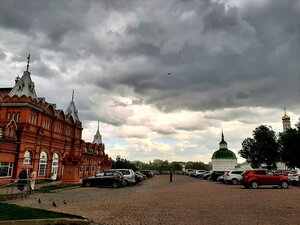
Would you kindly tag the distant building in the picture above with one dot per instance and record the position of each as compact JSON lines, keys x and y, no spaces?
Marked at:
{"x":223,"y":159}
{"x":34,"y":133}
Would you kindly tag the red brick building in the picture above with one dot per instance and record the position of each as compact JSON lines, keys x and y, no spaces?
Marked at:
{"x":35,"y":133}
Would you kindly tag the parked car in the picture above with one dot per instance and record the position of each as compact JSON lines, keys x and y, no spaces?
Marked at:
{"x":189,"y":171}
{"x":100,"y":174}
{"x":129,"y":176}
{"x":143,"y":176}
{"x":147,"y":173}
{"x":257,"y":177}
{"x":206,"y":175}
{"x":198,"y":173}
{"x":215,"y":174}
{"x":221,"y":179}
{"x":109,"y":178}
{"x":233,"y":177}
{"x":294,"y":177}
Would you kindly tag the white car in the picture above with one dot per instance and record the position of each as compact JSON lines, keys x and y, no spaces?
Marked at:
{"x":233,"y":177}
{"x":129,"y":176}
{"x":294,"y":177}
{"x":198,"y":173}
{"x":189,"y":171}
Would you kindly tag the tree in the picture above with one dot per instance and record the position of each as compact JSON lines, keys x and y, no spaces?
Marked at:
{"x":262,"y":148}
{"x":289,"y":142}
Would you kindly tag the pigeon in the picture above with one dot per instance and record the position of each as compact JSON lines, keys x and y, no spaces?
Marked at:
{"x":65,"y":202}
{"x":39,"y":201}
{"x":54,"y":204}
{"x":169,"y":73}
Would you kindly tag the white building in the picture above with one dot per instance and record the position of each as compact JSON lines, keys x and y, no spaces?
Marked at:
{"x":223,"y":159}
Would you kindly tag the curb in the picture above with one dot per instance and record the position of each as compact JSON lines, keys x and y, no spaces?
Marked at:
{"x":65,"y":221}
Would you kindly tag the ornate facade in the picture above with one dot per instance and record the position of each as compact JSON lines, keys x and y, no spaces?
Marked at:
{"x":34,"y":133}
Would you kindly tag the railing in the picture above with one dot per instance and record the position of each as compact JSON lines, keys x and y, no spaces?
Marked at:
{"x":11,"y":190}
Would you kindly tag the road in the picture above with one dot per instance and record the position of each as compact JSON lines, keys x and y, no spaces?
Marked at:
{"x":185,"y":201}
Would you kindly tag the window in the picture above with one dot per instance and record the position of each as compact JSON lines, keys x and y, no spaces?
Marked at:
{"x":6,"y":169}
{"x":55,"y":161}
{"x":81,"y":169}
{"x":260,"y":172}
{"x":94,"y":168}
{"x":42,"y":164}
{"x":32,"y":119}
{"x":27,"y":158}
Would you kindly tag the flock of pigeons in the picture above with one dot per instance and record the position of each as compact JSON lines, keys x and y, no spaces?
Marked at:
{"x":53,"y":203}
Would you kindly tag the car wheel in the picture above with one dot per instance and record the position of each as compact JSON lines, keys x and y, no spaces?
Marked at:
{"x":87,"y":184}
{"x":284,"y":184}
{"x":234,"y":181}
{"x":115,"y":184}
{"x":254,"y":185}
{"x":126,"y":183}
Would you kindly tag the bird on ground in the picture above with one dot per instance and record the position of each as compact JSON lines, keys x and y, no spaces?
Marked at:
{"x":54,"y":204}
{"x":169,"y":73}
{"x":65,"y":202}
{"x":39,"y":201}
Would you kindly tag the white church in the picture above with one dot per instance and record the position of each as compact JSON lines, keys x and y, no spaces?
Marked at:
{"x":224,"y":159}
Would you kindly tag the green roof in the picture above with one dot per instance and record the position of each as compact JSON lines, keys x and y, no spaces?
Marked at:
{"x":224,"y":154}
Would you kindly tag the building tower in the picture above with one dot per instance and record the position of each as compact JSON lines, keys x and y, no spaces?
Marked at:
{"x":223,"y":159}
{"x":97,"y":137}
{"x":286,"y":121}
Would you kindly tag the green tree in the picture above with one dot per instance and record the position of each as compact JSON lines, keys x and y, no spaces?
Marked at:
{"x":289,"y":142}
{"x":263,"y":148}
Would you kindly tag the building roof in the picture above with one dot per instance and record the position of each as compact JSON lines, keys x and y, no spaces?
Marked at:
{"x":4,"y":92}
{"x":224,"y":154}
{"x":286,"y":117}
{"x":97,"y":137}
{"x":24,"y":86}
{"x":71,"y":110}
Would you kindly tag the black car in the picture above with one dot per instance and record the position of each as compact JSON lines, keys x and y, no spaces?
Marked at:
{"x":109,"y":178}
{"x":215,"y":174}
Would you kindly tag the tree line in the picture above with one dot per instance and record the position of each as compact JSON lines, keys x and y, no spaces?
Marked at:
{"x":267,"y":148}
{"x":159,"y":165}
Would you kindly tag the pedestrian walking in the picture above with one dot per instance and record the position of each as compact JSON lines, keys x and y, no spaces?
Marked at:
{"x":171,"y":175}
{"x":22,"y":181}
{"x":32,"y":177}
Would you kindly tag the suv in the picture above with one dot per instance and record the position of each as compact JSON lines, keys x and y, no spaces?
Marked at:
{"x":258,"y":177}
{"x":294,"y":177}
{"x":129,"y":176}
{"x":233,"y":177}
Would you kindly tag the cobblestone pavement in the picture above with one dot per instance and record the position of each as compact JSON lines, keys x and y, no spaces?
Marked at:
{"x":186,"y":201}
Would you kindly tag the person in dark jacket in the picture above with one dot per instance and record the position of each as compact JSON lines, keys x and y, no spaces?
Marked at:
{"x":171,"y":175}
{"x":22,"y":180}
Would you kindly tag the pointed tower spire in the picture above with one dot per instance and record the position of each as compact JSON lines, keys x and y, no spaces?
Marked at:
{"x":97,"y":137}
{"x":28,"y":61}
{"x":24,"y":85}
{"x":223,"y":143}
{"x":73,"y":96}
{"x":71,"y":110}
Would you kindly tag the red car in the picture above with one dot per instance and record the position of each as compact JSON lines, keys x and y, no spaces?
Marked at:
{"x":257,"y":177}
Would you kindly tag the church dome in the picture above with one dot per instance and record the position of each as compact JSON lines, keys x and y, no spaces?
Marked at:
{"x":224,"y":154}
{"x":286,"y":117}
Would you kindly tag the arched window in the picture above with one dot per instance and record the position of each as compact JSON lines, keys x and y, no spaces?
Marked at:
{"x":54,"y":168}
{"x":42,"y":164}
{"x":27,"y":158}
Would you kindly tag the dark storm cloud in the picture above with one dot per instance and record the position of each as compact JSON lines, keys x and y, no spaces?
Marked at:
{"x":218,"y":56}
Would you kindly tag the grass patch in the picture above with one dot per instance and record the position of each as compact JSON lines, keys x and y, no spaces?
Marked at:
{"x":15,"y":212}
{"x":50,"y":188}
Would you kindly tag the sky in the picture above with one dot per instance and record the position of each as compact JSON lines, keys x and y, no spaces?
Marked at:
{"x":163,"y":78}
